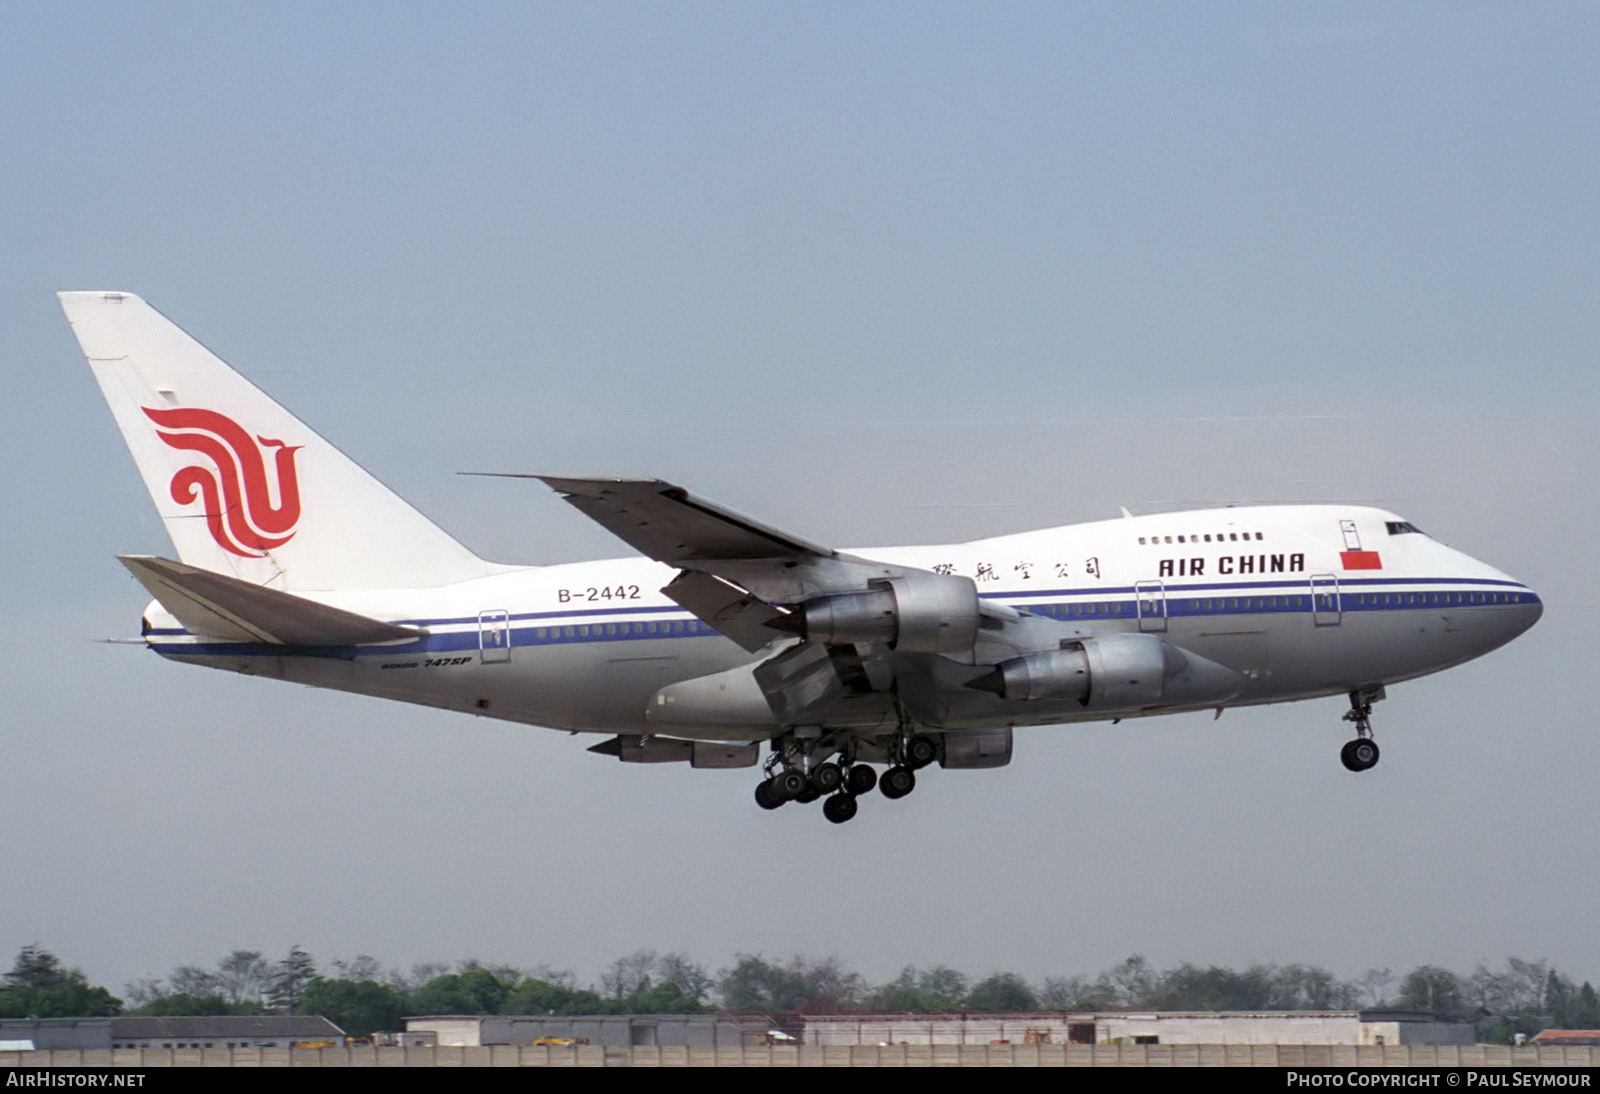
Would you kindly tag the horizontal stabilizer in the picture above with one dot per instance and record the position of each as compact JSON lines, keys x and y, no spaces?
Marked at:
{"x":219,"y":606}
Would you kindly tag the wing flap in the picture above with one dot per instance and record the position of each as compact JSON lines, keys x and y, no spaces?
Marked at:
{"x":218,"y":606}
{"x":734,"y":612}
{"x":800,"y":681}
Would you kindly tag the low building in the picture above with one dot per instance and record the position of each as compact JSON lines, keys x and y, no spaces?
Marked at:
{"x":1343,"y":1027}
{"x":225,"y":1031}
{"x":1336,"y":1027}
{"x":46,"y":1033}
{"x":724,"y":1028}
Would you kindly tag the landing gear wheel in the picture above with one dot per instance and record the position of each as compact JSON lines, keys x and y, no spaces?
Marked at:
{"x":766,"y":796}
{"x":897,"y":782}
{"x":1359,"y":754}
{"x":808,"y":795}
{"x":861,"y":779}
{"x":840,"y":807}
{"x":790,"y":784}
{"x":827,"y":778}
{"x":920,"y":752}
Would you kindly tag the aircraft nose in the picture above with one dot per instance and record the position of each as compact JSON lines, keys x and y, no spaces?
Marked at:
{"x":1527,"y":611}
{"x":1519,"y":610}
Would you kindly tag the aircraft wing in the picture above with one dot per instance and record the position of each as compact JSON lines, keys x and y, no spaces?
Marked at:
{"x":752,"y":583}
{"x":734,"y":568}
{"x":666,"y":523}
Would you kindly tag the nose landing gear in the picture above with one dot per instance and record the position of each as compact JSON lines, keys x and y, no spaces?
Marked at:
{"x":1361,"y":753}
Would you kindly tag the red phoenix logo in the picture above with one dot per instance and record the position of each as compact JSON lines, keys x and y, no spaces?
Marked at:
{"x":237,"y":496}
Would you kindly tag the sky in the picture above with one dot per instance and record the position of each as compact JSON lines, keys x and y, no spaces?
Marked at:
{"x":874,"y":273}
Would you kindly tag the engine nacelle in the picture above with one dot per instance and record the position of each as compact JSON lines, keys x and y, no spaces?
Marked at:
{"x":1129,"y":671}
{"x":1052,"y":674}
{"x":1114,"y":672}
{"x":920,"y":613}
{"x":970,"y":749}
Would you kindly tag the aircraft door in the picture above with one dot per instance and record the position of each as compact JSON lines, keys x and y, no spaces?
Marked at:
{"x":1150,"y":600}
{"x":1326,"y":609}
{"x":494,"y":636}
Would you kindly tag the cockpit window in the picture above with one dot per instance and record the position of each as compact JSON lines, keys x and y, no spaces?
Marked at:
{"x":1401,"y":527}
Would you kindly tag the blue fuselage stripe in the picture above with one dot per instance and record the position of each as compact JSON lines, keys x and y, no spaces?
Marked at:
{"x":1112,"y":604}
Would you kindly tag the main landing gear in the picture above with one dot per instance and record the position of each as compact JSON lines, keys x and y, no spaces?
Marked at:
{"x":840,"y":784}
{"x":1361,"y":753}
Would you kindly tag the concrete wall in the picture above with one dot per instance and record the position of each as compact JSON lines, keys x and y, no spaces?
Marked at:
{"x":1280,"y":1056}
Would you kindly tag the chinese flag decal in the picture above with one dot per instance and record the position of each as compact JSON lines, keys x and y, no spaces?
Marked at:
{"x":1360,"y":560}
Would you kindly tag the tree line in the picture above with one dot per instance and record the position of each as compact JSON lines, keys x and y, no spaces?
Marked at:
{"x":362,"y":997}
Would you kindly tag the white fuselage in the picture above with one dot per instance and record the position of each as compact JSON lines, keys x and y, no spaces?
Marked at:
{"x":1302,"y":601}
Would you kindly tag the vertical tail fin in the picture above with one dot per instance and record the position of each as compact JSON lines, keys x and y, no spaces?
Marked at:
{"x":244,"y":487}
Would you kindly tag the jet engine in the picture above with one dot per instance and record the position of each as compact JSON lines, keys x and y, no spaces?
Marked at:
{"x":1113,"y":672}
{"x":919,"y":613}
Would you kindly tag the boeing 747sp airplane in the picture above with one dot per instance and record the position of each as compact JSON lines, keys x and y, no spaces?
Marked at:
{"x":295,"y":564}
